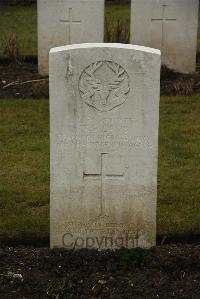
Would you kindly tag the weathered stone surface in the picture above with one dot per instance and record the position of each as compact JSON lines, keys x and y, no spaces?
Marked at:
{"x":168,"y":25}
{"x":104,"y":111}
{"x":62,"y":22}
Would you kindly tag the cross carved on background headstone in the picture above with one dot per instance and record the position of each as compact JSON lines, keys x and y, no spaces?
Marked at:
{"x":163,"y":20}
{"x":69,"y":22}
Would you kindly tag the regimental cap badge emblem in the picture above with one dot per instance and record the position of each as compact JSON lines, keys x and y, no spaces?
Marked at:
{"x":104,"y":85}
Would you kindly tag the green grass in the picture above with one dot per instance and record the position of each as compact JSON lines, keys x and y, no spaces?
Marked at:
{"x":179,"y":165}
{"x":24,"y":172}
{"x":115,"y":12}
{"x":21,"y":21}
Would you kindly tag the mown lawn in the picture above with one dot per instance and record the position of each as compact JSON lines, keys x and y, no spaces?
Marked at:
{"x":22,"y":21}
{"x":179,"y":165}
{"x":24,"y":172}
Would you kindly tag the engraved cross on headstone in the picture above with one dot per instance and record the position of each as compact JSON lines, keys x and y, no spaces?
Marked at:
{"x":103,"y":175}
{"x":163,"y":21}
{"x":69,"y":22}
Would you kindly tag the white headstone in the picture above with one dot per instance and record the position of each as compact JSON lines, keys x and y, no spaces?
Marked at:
{"x":104,"y":111}
{"x":63,"y":22}
{"x":168,"y":25}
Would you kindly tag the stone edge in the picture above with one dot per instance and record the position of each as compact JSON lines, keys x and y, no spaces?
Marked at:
{"x":105,"y":45}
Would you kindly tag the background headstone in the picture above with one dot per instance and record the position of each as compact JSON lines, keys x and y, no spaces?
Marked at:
{"x":62,"y":22}
{"x":104,"y":106}
{"x":168,"y":25}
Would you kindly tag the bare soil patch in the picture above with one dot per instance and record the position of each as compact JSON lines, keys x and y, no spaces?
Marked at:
{"x":22,"y":82}
{"x":173,"y":271}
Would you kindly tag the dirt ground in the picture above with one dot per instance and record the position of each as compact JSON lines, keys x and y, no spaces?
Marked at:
{"x":23,"y":82}
{"x":172,"y":271}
